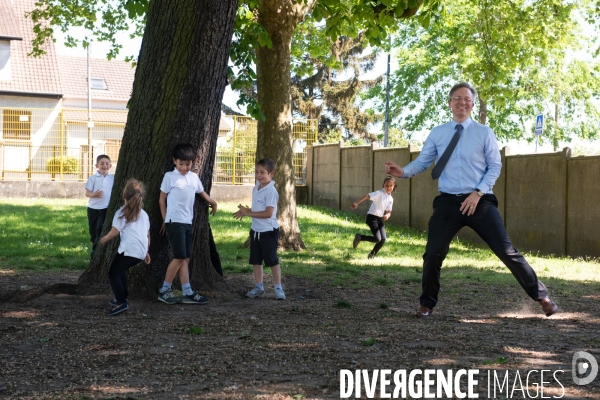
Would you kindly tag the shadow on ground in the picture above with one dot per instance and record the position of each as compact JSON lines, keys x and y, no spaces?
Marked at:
{"x":59,"y":343}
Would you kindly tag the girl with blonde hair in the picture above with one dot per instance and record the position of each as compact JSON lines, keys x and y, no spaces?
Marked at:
{"x":133,"y":225}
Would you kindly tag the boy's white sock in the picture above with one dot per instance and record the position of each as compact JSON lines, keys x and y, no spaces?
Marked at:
{"x":260,"y":286}
{"x":278,"y":287}
{"x":166,"y":286}
{"x":186,"y":288}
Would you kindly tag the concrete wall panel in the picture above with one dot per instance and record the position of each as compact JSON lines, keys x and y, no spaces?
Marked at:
{"x":401,"y":156}
{"x":536,"y":200}
{"x":356,"y":177}
{"x":583,"y":212}
{"x":423,"y":190}
{"x":326,"y":175}
{"x":309,"y":174}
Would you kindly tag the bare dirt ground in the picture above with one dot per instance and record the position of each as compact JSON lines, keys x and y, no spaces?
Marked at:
{"x":58,"y":343}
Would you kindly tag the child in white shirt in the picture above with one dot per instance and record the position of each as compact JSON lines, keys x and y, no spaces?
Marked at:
{"x":177,"y":194}
{"x":380,"y":211}
{"x":98,"y":188}
{"x":264,"y":234}
{"x":133,"y":224}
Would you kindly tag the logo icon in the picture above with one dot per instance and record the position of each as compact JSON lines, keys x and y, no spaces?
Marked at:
{"x":583,"y":364}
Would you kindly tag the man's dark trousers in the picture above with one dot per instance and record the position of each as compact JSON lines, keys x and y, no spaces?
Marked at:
{"x":445,"y":223}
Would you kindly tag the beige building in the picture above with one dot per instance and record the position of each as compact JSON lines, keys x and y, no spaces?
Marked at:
{"x":44,"y":104}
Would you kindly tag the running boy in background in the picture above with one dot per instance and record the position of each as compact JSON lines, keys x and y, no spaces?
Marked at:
{"x":380,"y":211}
{"x":264,"y":233}
{"x":98,"y":188}
{"x":177,"y":194}
{"x":133,"y":224}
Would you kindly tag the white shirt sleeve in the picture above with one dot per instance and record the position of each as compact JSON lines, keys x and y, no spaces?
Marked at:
{"x":271,"y":198}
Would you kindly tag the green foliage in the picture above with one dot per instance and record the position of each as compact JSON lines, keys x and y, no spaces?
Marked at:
{"x":330,"y":136}
{"x":102,"y":19}
{"x":70,"y":165}
{"x":354,"y":141}
{"x":398,"y":138}
{"x":514,"y":53}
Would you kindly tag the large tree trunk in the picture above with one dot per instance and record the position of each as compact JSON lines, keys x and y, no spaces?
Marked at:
{"x":275,"y":136}
{"x":177,"y":93}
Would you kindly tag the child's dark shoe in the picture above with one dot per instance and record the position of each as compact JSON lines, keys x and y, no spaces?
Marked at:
{"x":119,"y":309}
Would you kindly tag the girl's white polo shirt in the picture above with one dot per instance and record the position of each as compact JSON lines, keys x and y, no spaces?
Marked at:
{"x":181,"y":190}
{"x":134,"y":235}
{"x":381,"y":202}
{"x":100,"y":182}
{"x":261,"y":199}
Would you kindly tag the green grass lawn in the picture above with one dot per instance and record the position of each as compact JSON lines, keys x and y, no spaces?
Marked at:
{"x":40,"y":234}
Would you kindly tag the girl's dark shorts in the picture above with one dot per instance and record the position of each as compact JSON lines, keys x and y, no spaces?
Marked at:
{"x":263,"y":247}
{"x":180,"y":236}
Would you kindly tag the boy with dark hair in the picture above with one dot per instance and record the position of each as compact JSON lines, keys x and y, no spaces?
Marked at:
{"x":177,"y":194}
{"x":264,"y":233}
{"x":98,"y":188}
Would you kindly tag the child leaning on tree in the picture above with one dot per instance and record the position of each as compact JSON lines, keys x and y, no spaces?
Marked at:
{"x":177,"y":194}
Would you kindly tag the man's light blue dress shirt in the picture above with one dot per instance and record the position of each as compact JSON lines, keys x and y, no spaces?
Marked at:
{"x":474,"y":164}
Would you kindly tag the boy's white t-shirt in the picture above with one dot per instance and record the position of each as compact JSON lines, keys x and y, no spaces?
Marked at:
{"x":381,"y":202}
{"x":100,"y":182}
{"x":261,"y":199}
{"x":134,"y":235}
{"x":181,"y":190}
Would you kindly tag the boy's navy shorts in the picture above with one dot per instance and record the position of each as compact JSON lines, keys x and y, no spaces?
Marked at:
{"x":180,"y":236}
{"x":263,"y":247}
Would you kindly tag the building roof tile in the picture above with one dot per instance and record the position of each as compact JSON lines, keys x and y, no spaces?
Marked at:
{"x":28,"y":74}
{"x":9,"y":28}
{"x":117,"y":74}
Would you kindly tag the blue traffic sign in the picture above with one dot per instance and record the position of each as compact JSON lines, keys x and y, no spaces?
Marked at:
{"x":539,"y":124}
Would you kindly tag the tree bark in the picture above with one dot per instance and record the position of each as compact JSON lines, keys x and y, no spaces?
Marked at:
{"x":177,"y":92}
{"x":482,"y":112}
{"x":275,"y":137}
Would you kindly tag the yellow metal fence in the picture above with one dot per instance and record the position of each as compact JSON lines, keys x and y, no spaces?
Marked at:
{"x":236,"y":150}
{"x":61,"y":145}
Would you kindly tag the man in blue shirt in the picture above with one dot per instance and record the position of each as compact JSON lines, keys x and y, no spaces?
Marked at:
{"x":466,"y":174}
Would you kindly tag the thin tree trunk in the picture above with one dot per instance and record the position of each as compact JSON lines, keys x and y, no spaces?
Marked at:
{"x":179,"y":84}
{"x":275,"y":136}
{"x":482,"y":112}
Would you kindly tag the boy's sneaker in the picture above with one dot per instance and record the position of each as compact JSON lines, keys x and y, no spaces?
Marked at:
{"x":256,"y":292}
{"x":279,"y":294}
{"x":194,"y":298}
{"x":119,"y":309}
{"x":168,"y":297}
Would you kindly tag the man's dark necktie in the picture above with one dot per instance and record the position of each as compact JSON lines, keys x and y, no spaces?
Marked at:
{"x":439,"y":166}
